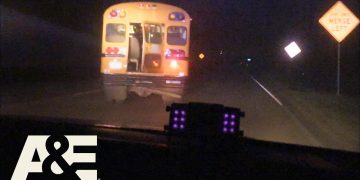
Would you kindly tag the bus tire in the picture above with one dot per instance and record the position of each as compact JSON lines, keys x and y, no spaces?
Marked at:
{"x":115,"y":94}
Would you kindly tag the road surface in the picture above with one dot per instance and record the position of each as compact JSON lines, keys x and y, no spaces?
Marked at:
{"x":267,"y":118}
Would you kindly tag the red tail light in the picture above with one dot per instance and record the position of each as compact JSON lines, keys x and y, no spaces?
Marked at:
{"x":110,"y":50}
{"x":115,"y":50}
{"x":175,"y":54}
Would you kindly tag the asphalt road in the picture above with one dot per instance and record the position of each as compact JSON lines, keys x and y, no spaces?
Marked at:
{"x":266,"y":117}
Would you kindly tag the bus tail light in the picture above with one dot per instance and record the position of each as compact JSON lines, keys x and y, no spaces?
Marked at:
{"x":114,"y":64}
{"x":112,"y":50}
{"x":174,"y":64}
{"x":175,"y":54}
{"x":115,"y":50}
{"x":108,"y":50}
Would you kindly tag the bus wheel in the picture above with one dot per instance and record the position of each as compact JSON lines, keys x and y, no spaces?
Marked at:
{"x":116,"y":94}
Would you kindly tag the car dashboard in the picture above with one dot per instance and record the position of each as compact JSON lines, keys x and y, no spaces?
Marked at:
{"x":136,"y":153}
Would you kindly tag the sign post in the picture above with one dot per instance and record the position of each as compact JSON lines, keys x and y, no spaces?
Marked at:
{"x":339,"y":21}
{"x":338,"y":71}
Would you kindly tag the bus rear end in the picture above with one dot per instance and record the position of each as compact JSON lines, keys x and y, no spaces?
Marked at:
{"x":145,"y":49}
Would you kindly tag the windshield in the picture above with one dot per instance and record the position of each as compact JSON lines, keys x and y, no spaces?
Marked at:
{"x":286,"y":64}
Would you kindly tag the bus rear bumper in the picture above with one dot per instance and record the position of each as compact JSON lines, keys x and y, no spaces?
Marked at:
{"x":131,"y":80}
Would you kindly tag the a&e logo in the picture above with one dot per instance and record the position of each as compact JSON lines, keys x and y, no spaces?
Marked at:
{"x":58,"y":157}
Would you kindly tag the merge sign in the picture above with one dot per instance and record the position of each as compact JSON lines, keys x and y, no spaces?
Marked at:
{"x":339,"y":21}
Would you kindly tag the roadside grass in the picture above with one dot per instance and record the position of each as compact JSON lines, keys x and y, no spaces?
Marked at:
{"x":333,"y":120}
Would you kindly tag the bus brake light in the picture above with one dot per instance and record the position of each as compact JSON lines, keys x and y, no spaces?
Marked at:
{"x":111,"y":50}
{"x":115,"y":50}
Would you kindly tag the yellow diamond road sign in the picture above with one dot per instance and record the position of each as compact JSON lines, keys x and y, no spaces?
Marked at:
{"x":201,"y":56}
{"x":339,"y":21}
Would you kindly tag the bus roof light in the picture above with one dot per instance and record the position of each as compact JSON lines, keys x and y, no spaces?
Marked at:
{"x":122,"y":13}
{"x":113,"y":13}
{"x":176,"y":16}
{"x":117,"y":13}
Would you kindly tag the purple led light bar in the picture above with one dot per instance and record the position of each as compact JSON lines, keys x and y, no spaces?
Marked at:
{"x":229,"y":123}
{"x":225,"y":129}
{"x":232,"y":130}
{"x":179,"y":119}
{"x":182,"y":112}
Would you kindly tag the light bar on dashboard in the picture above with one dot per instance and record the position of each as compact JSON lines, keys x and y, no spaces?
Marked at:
{"x":231,"y":120}
{"x":178,"y":116}
{"x":199,"y":119}
{"x":176,"y":16}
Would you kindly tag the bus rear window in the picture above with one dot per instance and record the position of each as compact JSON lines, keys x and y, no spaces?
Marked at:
{"x":176,"y":35}
{"x":115,"y":32}
{"x":153,"y":33}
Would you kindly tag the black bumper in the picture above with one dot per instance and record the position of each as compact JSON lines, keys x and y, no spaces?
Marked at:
{"x":144,"y":81}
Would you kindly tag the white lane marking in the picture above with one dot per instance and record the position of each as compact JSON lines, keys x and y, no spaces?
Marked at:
{"x":267,"y":91}
{"x":133,"y":126}
{"x":87,"y":92}
{"x":314,"y":141}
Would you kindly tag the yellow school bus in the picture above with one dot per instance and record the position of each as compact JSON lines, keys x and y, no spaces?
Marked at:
{"x":145,"y":49}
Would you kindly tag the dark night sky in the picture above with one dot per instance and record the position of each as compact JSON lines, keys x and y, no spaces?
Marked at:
{"x":242,"y":27}
{"x":245,"y":23}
